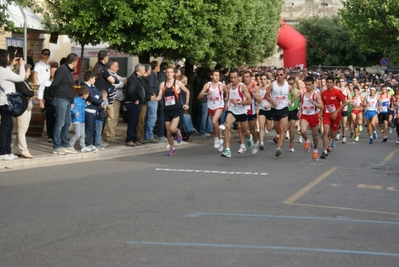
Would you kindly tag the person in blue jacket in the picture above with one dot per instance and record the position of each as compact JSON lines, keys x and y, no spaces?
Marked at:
{"x":78,"y":119}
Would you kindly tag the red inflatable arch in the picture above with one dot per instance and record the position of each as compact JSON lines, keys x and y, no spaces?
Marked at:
{"x":293,"y":44}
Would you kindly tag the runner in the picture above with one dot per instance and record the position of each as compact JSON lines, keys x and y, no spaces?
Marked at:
{"x":293,"y":111}
{"x":173,"y":109}
{"x":265,"y":116}
{"x":309,"y":109}
{"x":238,"y":97}
{"x":334,"y":102}
{"x":277,"y":95}
{"x":214,"y":90}
{"x":395,"y":108}
{"x":253,"y":90}
{"x":357,"y":111}
{"x":370,"y":103}
{"x":383,"y":114}
{"x":344,"y":120}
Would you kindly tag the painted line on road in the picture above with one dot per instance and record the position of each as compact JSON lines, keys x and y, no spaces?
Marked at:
{"x":271,"y":216}
{"x":388,"y":157}
{"x":345,"y":208}
{"x":312,"y":184}
{"x":210,"y":171}
{"x":235,"y":246}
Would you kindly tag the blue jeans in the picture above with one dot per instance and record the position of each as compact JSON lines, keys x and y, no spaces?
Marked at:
{"x":97,"y":132}
{"x":205,"y":123}
{"x":90,"y":125}
{"x":133,"y":112}
{"x":62,"y":109}
{"x":151,"y":119}
{"x":79,"y":128}
{"x":188,"y":123}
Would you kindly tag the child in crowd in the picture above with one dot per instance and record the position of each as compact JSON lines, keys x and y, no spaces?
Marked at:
{"x":78,"y":119}
{"x":96,"y":99}
{"x":101,"y":116}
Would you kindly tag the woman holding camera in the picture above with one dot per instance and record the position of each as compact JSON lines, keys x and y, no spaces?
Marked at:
{"x":7,"y":80}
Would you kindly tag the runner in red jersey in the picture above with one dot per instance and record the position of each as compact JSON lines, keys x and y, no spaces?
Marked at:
{"x":334,"y":102}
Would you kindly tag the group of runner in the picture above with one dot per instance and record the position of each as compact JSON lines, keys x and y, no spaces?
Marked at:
{"x":284,"y":103}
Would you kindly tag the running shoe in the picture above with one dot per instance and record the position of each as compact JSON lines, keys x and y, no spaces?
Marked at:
{"x":360,"y":128}
{"x":291,"y":149}
{"x":390,"y":130}
{"x":250,"y":142}
{"x":222,"y":127}
{"x":242,"y":149}
{"x":262,"y":146}
{"x":337,"y":137}
{"x":278,"y":152}
{"x":255,"y":149}
{"x":287,"y":135}
{"x":178,"y":136}
{"x":275,"y":139}
{"x":216,"y":143}
{"x":300,"y":140}
{"x":324,"y":155}
{"x":375,"y":136}
{"x":329,"y":149}
{"x":356,"y":139}
{"x":86,"y":149}
{"x":333,"y":143}
{"x":306,"y":146}
{"x":344,"y":140}
{"x":385,"y":139}
{"x":397,"y":142}
{"x":382,"y":130}
{"x":315,"y":156}
{"x":371,"y":141}
{"x":220,"y":148}
{"x":171,"y":152}
{"x":226,"y":153}
{"x":352,"y":135}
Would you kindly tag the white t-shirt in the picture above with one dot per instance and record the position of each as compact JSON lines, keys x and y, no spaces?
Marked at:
{"x":43,"y":74}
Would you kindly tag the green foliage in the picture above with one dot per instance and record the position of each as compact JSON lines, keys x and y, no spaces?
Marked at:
{"x":374,"y":24}
{"x":337,"y":49}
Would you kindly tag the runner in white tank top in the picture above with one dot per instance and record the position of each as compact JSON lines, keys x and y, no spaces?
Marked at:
{"x":238,"y":97}
{"x":309,"y":106}
{"x":253,"y":89}
{"x":277,"y":95}
{"x":370,"y":103}
{"x":265,"y":116}
{"x":214,"y":91}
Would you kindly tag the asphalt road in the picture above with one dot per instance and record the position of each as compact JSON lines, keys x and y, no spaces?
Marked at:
{"x":199,"y":209}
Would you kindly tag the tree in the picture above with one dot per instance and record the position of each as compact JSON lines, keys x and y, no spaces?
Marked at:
{"x":202,"y":31}
{"x":374,"y":25}
{"x":329,"y":44}
{"x":4,"y":22}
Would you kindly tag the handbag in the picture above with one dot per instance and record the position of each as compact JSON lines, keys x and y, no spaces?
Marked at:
{"x":15,"y":104}
{"x":24,"y":88}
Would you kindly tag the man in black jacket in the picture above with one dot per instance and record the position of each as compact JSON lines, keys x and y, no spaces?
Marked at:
{"x":62,"y":101}
{"x":133,"y":101}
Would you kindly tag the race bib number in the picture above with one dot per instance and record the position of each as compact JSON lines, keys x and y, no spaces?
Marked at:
{"x":330,"y":108}
{"x":371,"y":105}
{"x":384,"y":108}
{"x":169,"y":100}
{"x":308,"y":110}
{"x":281,"y":100}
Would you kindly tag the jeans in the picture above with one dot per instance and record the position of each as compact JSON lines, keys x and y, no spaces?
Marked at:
{"x":160,"y":120}
{"x":152,"y":107}
{"x":6,"y":126}
{"x":62,"y":109}
{"x":188,"y":123}
{"x":79,"y":129}
{"x":205,"y":123}
{"x":133,"y":112}
{"x":97,"y":132}
{"x":90,"y":125}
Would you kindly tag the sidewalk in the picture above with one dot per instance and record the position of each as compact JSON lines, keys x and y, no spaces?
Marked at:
{"x":42,"y":151}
